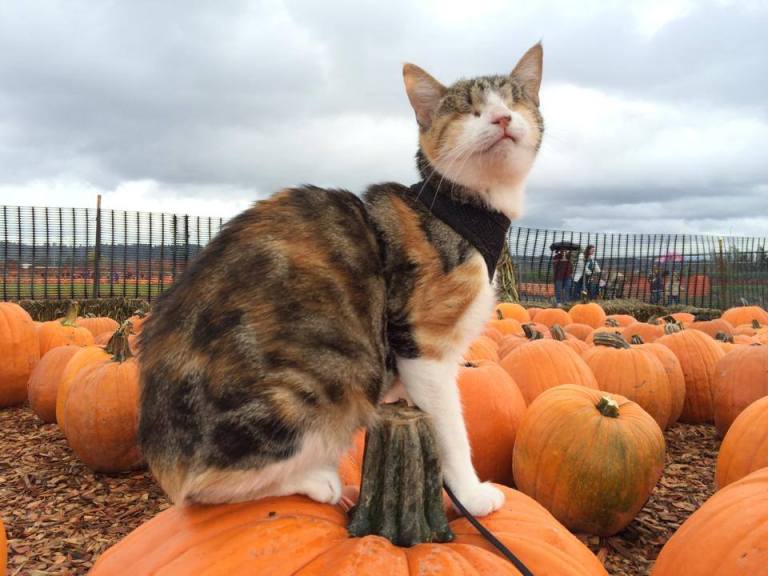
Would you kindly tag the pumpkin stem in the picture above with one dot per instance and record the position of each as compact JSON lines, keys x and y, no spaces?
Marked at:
{"x":610,"y":339}
{"x":70,"y":318}
{"x":669,"y":319}
{"x":755,"y":324}
{"x":401,"y":490}
{"x":531,"y":333}
{"x":608,"y":407}
{"x":612,"y":322}
{"x":637,"y":339}
{"x":499,"y":315}
{"x":723,"y":337}
{"x":118,"y":345}
{"x":557,"y":332}
{"x":672,"y":328}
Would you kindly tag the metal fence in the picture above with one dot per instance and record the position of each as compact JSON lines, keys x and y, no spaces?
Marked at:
{"x":697,"y":270}
{"x":63,"y":253}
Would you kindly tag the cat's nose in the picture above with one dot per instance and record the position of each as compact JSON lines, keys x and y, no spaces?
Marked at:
{"x":502,"y":120}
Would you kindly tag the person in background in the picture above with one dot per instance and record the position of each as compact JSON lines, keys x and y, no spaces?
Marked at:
{"x":672,"y":287}
{"x":562,"y":270}
{"x":586,"y":269}
{"x":656,"y":281}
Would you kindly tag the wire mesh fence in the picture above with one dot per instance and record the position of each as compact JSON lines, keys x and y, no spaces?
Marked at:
{"x":73,"y":253}
{"x":696,"y":270}
{"x":66,"y":253}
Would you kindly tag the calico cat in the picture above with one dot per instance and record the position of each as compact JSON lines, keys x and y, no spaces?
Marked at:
{"x":284,"y":334}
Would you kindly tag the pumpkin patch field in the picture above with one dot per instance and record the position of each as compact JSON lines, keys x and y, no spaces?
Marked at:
{"x":622,"y":447}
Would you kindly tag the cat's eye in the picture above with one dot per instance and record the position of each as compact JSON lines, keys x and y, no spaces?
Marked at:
{"x":476,"y":113}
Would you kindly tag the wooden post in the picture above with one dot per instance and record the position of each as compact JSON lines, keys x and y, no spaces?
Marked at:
{"x":97,"y":250}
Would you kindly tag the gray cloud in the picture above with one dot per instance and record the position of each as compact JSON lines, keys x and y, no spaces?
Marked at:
{"x":246,"y":97}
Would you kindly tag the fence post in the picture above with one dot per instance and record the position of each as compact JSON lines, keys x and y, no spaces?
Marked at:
{"x":97,"y":249}
{"x":722,"y":293}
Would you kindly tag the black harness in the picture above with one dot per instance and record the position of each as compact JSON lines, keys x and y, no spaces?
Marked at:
{"x":482,"y":227}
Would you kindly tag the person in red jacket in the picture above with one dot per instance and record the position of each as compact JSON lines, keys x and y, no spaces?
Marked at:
{"x":563,"y":270}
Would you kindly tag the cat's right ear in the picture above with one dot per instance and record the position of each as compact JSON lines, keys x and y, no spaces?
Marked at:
{"x":424,"y":92}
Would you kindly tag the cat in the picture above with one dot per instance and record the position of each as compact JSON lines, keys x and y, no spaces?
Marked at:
{"x":281,"y":338}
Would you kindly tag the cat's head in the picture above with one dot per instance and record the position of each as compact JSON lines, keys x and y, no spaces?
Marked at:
{"x":482,"y":133}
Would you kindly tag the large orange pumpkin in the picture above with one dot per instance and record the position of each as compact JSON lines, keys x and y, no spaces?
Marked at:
{"x":507,"y":326}
{"x":725,"y":537}
{"x":581,"y":331}
{"x":621,"y":319}
{"x":101,"y":411}
{"x":44,"y":381}
{"x":19,"y":353}
{"x":542,"y":364}
{"x":675,"y":375}
{"x":493,"y":408}
{"x":741,"y":377}
{"x":482,"y":348}
{"x":62,"y":332}
{"x":589,"y":313}
{"x":293,"y":535}
{"x":632,"y":372}
{"x":98,"y":324}
{"x":683,"y":317}
{"x":590,"y":458}
{"x":85,"y":356}
{"x":745,"y":315}
{"x":745,"y":446}
{"x":552,"y":316}
{"x":698,"y":354}
{"x":713,"y":327}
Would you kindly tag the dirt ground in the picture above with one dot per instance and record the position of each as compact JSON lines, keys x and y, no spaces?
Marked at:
{"x":60,"y":516}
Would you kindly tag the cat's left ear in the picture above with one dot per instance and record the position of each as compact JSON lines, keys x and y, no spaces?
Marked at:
{"x":528,"y":71}
{"x":424,"y":92}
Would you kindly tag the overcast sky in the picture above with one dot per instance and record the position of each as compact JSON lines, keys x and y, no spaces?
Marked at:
{"x":656,"y":110}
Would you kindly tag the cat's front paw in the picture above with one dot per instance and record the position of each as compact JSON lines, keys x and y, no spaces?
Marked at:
{"x":482,"y":499}
{"x":322,"y":485}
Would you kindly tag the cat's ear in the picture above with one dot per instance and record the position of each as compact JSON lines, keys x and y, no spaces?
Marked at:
{"x":424,"y":92}
{"x":528,"y":71}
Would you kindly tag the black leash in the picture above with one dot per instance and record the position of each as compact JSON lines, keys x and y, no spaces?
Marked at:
{"x":488,"y":535}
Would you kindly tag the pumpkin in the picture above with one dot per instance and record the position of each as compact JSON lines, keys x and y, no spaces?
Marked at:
{"x":740,"y":378}
{"x":542,"y":364}
{"x":675,"y":376}
{"x":514,"y":311}
{"x":725,"y":537}
{"x":552,"y":316}
{"x":62,"y":332}
{"x":101,"y":411}
{"x":698,"y":354}
{"x":712,"y":327}
{"x":648,"y":332}
{"x":588,"y":313}
{"x":633,"y":373}
{"x":44,"y":381}
{"x":85,"y":356}
{"x":745,"y":315}
{"x":532,"y":311}
{"x":294,"y":535}
{"x":493,"y":408}
{"x":138,"y":319}
{"x":493,"y":334}
{"x":621,"y":319}
{"x":482,"y":348}
{"x":560,"y":335}
{"x":581,"y":331}
{"x":98,"y":324}
{"x":683,"y":317}
{"x":351,"y":464}
{"x":745,"y":446}
{"x":590,"y":458}
{"x":507,"y":326}
{"x":19,"y":353}
{"x":615,"y":330}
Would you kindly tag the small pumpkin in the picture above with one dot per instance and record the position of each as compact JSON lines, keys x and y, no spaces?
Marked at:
{"x":683,"y":317}
{"x":97,"y":324}
{"x":745,"y":315}
{"x":493,"y":407}
{"x":514,"y":311}
{"x":698,"y":354}
{"x":590,"y":458}
{"x":588,"y":313}
{"x":745,"y":446}
{"x":101,"y":409}
{"x":740,"y":378}
{"x":506,"y":326}
{"x":621,"y":319}
{"x":552,"y":316}
{"x":62,"y":332}
{"x":542,"y":364}
{"x":725,"y":537}
{"x":43,"y":385}
{"x":19,"y":353}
